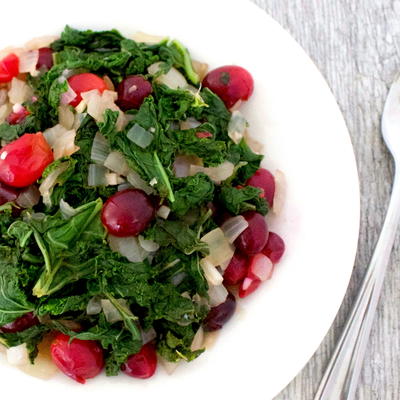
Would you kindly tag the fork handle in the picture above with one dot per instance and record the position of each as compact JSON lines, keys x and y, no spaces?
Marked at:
{"x":341,"y":376}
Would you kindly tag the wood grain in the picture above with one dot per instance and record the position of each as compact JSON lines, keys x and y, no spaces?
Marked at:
{"x":356,"y":45}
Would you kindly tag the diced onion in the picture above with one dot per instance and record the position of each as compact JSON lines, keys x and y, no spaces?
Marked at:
{"x":18,"y":355}
{"x":94,"y":306}
{"x":112,"y":179}
{"x":116,"y":162}
{"x":140,"y":136}
{"x":173,"y":78}
{"x":61,"y":140}
{"x":233,"y":227}
{"x":220,"y":249}
{"x":237,"y":127}
{"x":182,"y":164}
{"x":254,"y":145}
{"x":49,"y":182}
{"x":3,"y":96}
{"x":148,"y":245}
{"x":280,"y":192}
{"x":137,"y":182}
{"x":128,"y":247}
{"x":189,"y":123}
{"x":42,"y":41}
{"x":68,"y":96}
{"x":28,"y":197}
{"x":2,"y":348}
{"x":216,"y":174}
{"x":66,"y":117}
{"x":124,"y":186}
{"x":100,"y":149}
{"x":163,"y":212}
{"x":28,"y":61}
{"x":79,"y":117}
{"x":148,"y":336}
{"x":142,"y":37}
{"x":97,"y":175}
{"x":20,"y":91}
{"x":5,"y":110}
{"x":168,"y":366}
{"x":198,"y":340}
{"x":212,"y":275}
{"x":110,"y":311}
{"x":66,"y":210}
{"x":218,"y":295}
{"x":200,"y":68}
{"x":178,"y":278}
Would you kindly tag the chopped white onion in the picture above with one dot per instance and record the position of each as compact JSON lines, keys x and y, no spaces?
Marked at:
{"x":218,"y":295}
{"x":140,"y":136}
{"x":168,"y":366}
{"x":112,"y":179}
{"x":94,"y":306}
{"x":148,"y":336}
{"x":198,"y":340}
{"x":97,"y":175}
{"x":212,"y":275}
{"x":178,"y":278}
{"x":189,"y":123}
{"x":183,"y":163}
{"x":237,"y":126}
{"x":42,"y":41}
{"x":28,"y":197}
{"x":68,"y":96}
{"x":216,"y":174}
{"x":142,"y":37}
{"x":128,"y":247}
{"x":3,"y":96}
{"x":233,"y":227}
{"x":163,"y":212}
{"x":124,"y":186}
{"x":5,"y":110}
{"x":66,"y":117}
{"x":200,"y":68}
{"x":66,"y":210}
{"x":100,"y":149}
{"x":280,"y":192}
{"x":137,"y":182}
{"x":61,"y":140}
{"x":20,"y":91}
{"x":79,"y":117}
{"x":18,"y":355}
{"x":148,"y":245}
{"x":220,"y":249}
{"x":81,"y":107}
{"x":50,"y":181}
{"x":254,"y":145}
{"x":173,"y":78}
{"x":28,"y":61}
{"x":116,"y":162}
{"x":111,"y":312}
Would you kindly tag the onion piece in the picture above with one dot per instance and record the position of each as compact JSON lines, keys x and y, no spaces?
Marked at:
{"x":280,"y":192}
{"x":148,"y":336}
{"x":61,"y":140}
{"x":163,"y":212}
{"x":137,"y":182}
{"x":111,"y":312}
{"x":18,"y":355}
{"x":237,"y":126}
{"x":20,"y":91}
{"x":3,"y":96}
{"x":46,"y":187}
{"x":28,"y":61}
{"x":100,"y":149}
{"x":140,"y":136}
{"x":200,"y":68}
{"x":2,"y":348}
{"x":173,"y":78}
{"x":148,"y":245}
{"x":66,"y":117}
{"x":142,"y":37}
{"x":97,"y":175}
{"x":112,"y":179}
{"x":233,"y":227}
{"x":28,"y":197}
{"x":220,"y":249}
{"x":216,"y":174}
{"x":182,"y":164}
{"x":178,"y":278}
{"x":168,"y":366}
{"x":66,"y":210}
{"x":124,"y":186}
{"x":189,"y":123}
{"x":198,"y":340}
{"x":218,"y":295}
{"x":94,"y":306}
{"x":128,"y":247}
{"x":42,"y":41}
{"x":212,"y":275}
{"x":116,"y":162}
{"x":67,"y":96}
{"x":5,"y":110}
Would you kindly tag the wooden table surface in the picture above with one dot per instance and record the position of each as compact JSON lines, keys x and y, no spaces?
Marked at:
{"x":356,"y":46}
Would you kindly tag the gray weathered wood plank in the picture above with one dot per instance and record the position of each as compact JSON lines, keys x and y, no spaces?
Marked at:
{"x":356,"y":45}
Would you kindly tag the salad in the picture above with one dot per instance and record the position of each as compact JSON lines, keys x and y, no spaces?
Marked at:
{"x":132,"y":203}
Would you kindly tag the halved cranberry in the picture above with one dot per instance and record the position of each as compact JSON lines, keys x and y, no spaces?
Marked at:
{"x":16,"y":117}
{"x":274,"y":248}
{"x":132,"y":91}
{"x":218,"y":316}
{"x":20,"y":324}
{"x":7,"y":193}
{"x":237,"y":269}
{"x":264,"y":180}
{"x":45,"y":59}
{"x":143,"y":364}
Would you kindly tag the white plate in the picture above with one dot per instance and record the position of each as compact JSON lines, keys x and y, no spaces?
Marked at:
{"x":295,"y":115}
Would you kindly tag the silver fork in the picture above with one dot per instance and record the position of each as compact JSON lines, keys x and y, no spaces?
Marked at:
{"x":342,"y":374}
